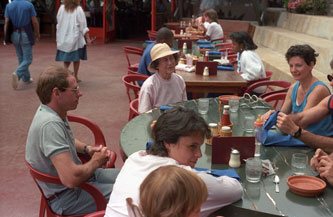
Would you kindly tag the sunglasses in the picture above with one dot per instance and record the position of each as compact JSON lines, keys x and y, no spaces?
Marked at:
{"x":330,"y":77}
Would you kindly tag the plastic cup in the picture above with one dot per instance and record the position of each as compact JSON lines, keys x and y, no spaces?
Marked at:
{"x":203,"y":106}
{"x":234,"y":105}
{"x":299,"y":163}
{"x":253,"y":170}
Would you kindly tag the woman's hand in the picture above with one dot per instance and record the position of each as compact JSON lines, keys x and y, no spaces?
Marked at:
{"x":265,"y":116}
{"x":286,"y":124}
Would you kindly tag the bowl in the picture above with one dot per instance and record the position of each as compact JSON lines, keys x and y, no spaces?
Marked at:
{"x":307,"y":186}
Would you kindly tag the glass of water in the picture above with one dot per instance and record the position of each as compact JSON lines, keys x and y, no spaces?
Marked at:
{"x":234,"y":104}
{"x":203,"y":105}
{"x":299,"y":163}
{"x":253,"y":169}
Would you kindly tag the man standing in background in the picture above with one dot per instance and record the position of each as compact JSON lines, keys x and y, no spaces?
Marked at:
{"x":22,"y":13}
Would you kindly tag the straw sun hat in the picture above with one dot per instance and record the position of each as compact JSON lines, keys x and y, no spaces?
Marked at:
{"x":158,"y":51}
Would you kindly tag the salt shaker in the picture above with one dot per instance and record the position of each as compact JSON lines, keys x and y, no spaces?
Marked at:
{"x":234,"y":161}
{"x":206,"y":71}
{"x":184,"y":48}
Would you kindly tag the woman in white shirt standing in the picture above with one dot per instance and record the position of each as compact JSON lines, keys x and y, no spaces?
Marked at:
{"x":213,"y":29}
{"x":250,"y":66}
{"x":72,"y":34}
{"x":178,"y":136}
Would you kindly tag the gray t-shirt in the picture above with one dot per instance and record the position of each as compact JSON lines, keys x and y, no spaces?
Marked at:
{"x":48,"y":136}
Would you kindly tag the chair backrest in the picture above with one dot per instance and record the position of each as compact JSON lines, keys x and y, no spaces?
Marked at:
{"x":130,"y":82}
{"x":270,"y":86}
{"x":152,"y":35}
{"x":134,"y":105}
{"x":218,"y":39}
{"x":130,"y":50}
{"x":133,"y":210}
{"x":98,"y":137}
{"x":276,"y":100}
{"x":96,"y":214}
{"x":98,"y":197}
{"x":132,"y":71}
{"x":223,"y":45}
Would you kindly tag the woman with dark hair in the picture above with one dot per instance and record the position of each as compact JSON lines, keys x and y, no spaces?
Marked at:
{"x":213,"y":29}
{"x":165,"y":86}
{"x":306,"y":92}
{"x":250,"y":66}
{"x":72,"y":35}
{"x":178,"y":136}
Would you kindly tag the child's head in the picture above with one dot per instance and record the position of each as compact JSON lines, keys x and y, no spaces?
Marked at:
{"x":171,"y":191}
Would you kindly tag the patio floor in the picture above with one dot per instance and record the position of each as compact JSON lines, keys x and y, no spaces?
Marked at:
{"x":104,"y":101}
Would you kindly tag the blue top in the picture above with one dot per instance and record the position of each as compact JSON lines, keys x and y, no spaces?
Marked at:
{"x":145,"y":60}
{"x":20,"y":13}
{"x":323,"y":127}
{"x":330,"y":107}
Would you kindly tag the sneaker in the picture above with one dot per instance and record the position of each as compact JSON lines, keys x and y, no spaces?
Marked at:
{"x":30,"y":81}
{"x":15,"y":80}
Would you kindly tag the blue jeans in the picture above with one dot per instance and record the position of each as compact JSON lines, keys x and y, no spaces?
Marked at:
{"x":24,"y":54}
{"x":77,"y":201}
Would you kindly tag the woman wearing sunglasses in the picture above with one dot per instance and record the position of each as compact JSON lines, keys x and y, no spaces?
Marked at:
{"x":306,"y":93}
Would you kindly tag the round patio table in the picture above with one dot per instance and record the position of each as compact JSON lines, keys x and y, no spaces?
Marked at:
{"x":259,"y":198}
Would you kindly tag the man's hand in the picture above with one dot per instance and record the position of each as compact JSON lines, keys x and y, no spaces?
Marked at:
{"x":101,"y":155}
{"x":325,"y":168}
{"x":314,"y":162}
{"x":286,"y":124}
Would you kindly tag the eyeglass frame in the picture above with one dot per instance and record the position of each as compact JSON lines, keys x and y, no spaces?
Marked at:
{"x":74,"y":90}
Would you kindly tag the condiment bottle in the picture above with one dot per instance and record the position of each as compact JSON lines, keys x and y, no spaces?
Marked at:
{"x":184,"y":48}
{"x":258,"y":130}
{"x":182,"y":32}
{"x":226,"y":116}
{"x":234,"y":161}
{"x":214,"y":132}
{"x":225,"y":131}
{"x":206,"y":58}
{"x":206,"y":71}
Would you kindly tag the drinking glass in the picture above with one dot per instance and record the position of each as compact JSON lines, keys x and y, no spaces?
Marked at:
{"x":203,"y":105}
{"x":249,"y":120}
{"x":253,"y":169}
{"x":234,"y":105}
{"x":299,"y":163}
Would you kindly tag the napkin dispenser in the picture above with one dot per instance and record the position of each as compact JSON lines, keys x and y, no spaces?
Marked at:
{"x":222,"y":146}
{"x":212,"y":67}
{"x":187,"y":41}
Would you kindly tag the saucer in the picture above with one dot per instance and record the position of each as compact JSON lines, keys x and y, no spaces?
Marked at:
{"x":307,"y":186}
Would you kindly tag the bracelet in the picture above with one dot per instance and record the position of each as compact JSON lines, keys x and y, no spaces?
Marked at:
{"x":85,"y":149}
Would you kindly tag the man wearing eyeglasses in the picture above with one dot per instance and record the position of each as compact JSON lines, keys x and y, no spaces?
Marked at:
{"x":296,"y":126}
{"x":51,"y":147}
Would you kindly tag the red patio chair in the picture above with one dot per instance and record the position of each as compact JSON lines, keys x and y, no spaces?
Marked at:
{"x":98,"y":137}
{"x":131,"y":51}
{"x":223,"y":45}
{"x":276,"y":100}
{"x":98,"y":197}
{"x":152,"y":35}
{"x":130,"y":82}
{"x":96,"y":214}
{"x":271,"y":87}
{"x":219,"y":39}
{"x":134,"y":106}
